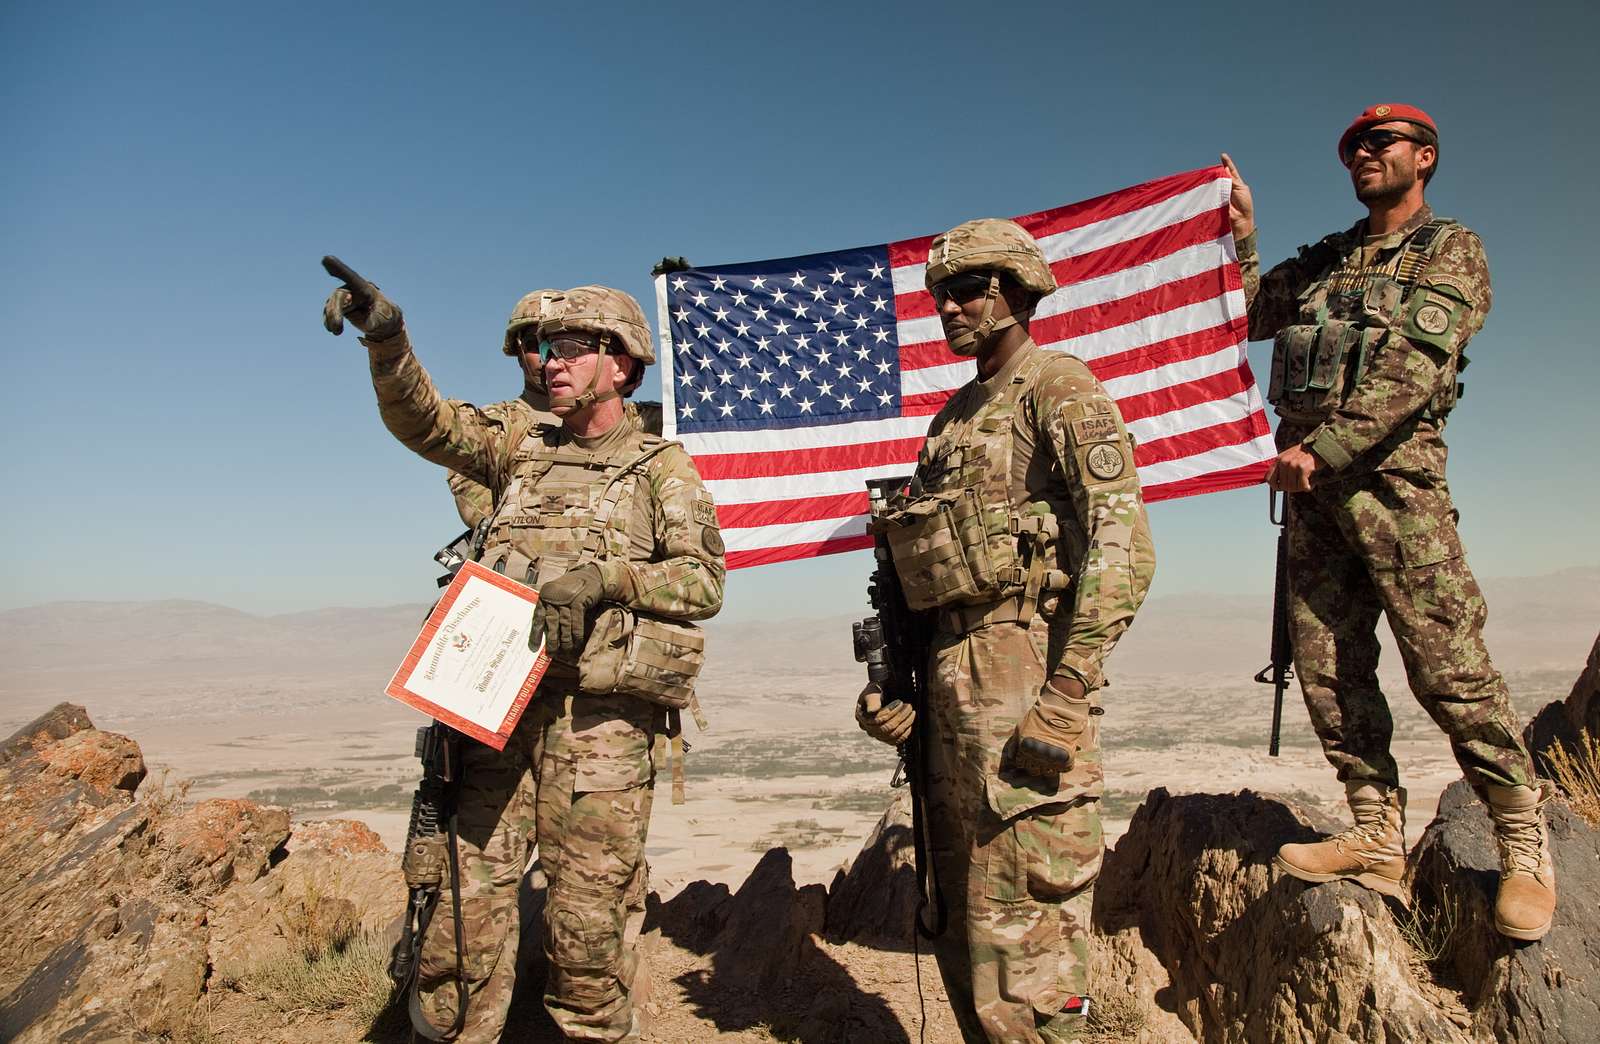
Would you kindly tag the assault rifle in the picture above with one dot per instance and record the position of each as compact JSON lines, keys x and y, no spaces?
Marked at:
{"x":431,"y":848}
{"x":894,"y":644}
{"x":1280,"y":668}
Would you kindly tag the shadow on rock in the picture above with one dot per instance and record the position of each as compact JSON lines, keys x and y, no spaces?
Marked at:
{"x":762,"y":965}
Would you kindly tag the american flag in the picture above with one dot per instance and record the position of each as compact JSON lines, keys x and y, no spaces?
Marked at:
{"x":792,"y":381}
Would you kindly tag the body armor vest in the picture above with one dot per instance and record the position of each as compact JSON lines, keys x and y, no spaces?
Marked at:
{"x":958,"y":539}
{"x":564,"y":507}
{"x":1317,"y":361}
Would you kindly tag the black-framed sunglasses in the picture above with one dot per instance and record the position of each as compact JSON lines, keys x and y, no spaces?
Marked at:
{"x":1374,"y":142}
{"x":967,"y":286}
{"x":567,"y":347}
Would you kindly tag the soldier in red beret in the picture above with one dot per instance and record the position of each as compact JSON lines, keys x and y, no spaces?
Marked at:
{"x":1369,"y":327}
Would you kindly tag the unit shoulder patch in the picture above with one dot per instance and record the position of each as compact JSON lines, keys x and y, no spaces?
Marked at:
{"x":1432,"y":319}
{"x":1104,"y":461}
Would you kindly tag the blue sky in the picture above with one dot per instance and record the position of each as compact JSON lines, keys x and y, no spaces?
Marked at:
{"x":181,"y":426}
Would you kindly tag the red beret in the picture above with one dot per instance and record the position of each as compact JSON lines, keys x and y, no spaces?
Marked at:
{"x":1375,"y":114}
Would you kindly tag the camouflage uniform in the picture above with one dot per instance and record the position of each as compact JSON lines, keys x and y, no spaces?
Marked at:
{"x":1017,"y":855}
{"x":579,"y":768}
{"x":1369,"y":339}
{"x":475,"y":501}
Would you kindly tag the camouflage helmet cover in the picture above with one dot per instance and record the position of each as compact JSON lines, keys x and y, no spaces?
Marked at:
{"x":990,"y":245}
{"x":602,"y":309}
{"x":530,"y":311}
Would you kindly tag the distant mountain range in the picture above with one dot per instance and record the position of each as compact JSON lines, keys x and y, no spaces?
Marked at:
{"x":112,"y":651}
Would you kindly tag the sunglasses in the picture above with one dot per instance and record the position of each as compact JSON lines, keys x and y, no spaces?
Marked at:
{"x":1374,"y":142}
{"x":566,"y":347}
{"x":968,"y":286}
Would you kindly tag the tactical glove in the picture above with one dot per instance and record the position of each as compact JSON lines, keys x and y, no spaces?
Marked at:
{"x":669,"y":265}
{"x":891,"y":724}
{"x":562,"y":614}
{"x":1047,"y":737}
{"x":360,"y":302}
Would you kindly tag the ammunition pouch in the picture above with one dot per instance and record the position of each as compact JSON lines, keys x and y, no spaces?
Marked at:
{"x":637,"y":654}
{"x":949,"y":549}
{"x":1315,"y":364}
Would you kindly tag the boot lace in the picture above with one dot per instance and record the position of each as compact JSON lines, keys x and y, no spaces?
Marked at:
{"x":1521,"y":847}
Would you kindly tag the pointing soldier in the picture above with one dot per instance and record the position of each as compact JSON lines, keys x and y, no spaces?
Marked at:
{"x":1369,"y":327}
{"x":1024,"y":534}
{"x":616,"y":530}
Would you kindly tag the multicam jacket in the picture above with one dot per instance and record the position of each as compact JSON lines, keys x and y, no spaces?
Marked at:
{"x":1041,"y":440}
{"x":660,"y":551}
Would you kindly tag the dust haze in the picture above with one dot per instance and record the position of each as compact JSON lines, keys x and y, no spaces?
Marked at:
{"x":289,"y":710}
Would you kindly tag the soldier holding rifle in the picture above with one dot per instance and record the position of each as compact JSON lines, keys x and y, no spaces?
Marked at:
{"x":1023,"y":541}
{"x":1369,"y":328}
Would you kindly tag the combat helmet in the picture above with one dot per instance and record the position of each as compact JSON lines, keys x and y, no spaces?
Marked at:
{"x":611,"y":315}
{"x":992,"y":245}
{"x":530,"y":311}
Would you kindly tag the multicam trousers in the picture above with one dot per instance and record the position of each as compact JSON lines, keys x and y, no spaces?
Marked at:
{"x":506,"y":799}
{"x":596,"y":781}
{"x":1386,"y":543}
{"x":495,"y":821}
{"x":1016,"y":856}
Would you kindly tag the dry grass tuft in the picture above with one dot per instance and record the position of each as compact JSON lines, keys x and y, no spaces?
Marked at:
{"x":352,"y":978}
{"x":327,"y":962}
{"x":1577,"y":773}
{"x":1114,"y":1016}
{"x":1430,"y":929}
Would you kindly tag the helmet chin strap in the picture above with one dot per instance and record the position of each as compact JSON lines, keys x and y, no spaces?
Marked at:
{"x":589,"y":396}
{"x":975,"y":340}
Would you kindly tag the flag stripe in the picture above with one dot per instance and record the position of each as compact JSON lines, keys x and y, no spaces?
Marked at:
{"x":823,"y":458}
{"x":772,"y":555}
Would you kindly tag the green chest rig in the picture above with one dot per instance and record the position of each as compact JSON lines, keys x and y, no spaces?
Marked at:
{"x":1317,"y":361}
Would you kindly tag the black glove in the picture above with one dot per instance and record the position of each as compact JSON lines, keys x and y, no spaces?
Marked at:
{"x":562,"y":614}
{"x":669,"y":265}
{"x":360,"y":302}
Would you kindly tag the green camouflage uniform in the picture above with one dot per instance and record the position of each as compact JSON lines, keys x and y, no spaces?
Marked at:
{"x":579,"y":770}
{"x":1369,"y":339}
{"x":1017,"y":855}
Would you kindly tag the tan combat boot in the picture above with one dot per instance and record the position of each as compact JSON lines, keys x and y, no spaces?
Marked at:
{"x":1371,"y":853}
{"x":1527,"y":900}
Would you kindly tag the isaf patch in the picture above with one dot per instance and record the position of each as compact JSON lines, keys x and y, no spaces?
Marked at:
{"x":705,"y":512}
{"x":1104,"y":461}
{"x":1102,"y":428}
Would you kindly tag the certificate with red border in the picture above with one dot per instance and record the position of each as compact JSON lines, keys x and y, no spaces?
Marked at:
{"x":471,"y":667}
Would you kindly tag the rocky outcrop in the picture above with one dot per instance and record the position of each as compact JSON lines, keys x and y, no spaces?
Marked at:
{"x":321,"y":888}
{"x":116,"y":903}
{"x":1535,"y":992}
{"x":1563,"y":722}
{"x":1252,"y":955}
{"x":875,"y":900}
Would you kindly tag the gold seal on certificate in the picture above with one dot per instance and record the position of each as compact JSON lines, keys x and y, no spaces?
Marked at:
{"x":471,"y":667}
